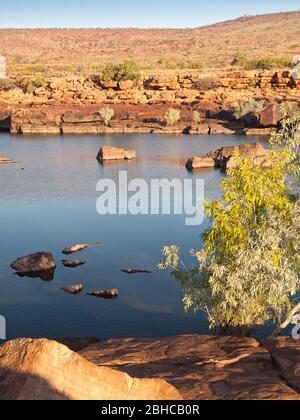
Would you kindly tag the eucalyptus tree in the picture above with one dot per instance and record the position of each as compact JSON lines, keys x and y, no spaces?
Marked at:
{"x":247,"y":273}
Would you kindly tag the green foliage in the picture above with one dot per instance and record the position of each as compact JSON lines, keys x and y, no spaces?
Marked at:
{"x":106,"y":115}
{"x":6,"y":85}
{"x":264,"y":63}
{"x":31,"y":84}
{"x":248,"y":108}
{"x":172,"y":117}
{"x":240,"y":59}
{"x":128,"y":70}
{"x":197,"y":117}
{"x":269,"y":63}
{"x":248,"y":270}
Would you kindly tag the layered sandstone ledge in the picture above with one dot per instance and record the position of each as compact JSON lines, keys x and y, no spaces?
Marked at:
{"x":71,"y":105}
{"x":86,"y":119}
{"x":172,"y":88}
{"x":182,"y":367}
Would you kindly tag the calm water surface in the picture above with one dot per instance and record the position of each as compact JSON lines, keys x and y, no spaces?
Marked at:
{"x":48,"y":201}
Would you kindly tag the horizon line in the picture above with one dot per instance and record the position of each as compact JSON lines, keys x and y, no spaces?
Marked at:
{"x":147,"y":27}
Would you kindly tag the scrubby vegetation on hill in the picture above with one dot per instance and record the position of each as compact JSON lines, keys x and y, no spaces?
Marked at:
{"x":263,"y":39}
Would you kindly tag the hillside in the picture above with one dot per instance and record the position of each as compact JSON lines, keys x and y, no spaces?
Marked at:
{"x":212,"y":46}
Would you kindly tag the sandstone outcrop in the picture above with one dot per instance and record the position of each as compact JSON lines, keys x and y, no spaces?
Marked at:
{"x":200,"y":367}
{"x":270,"y":116}
{"x":203,"y":162}
{"x":34,"y":264}
{"x":47,"y":370}
{"x":285,"y":353}
{"x":115,"y":153}
{"x":227,"y":157}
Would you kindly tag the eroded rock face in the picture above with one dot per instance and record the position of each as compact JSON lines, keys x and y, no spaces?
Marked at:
{"x":35,"y":263}
{"x":47,"y":370}
{"x":115,"y":153}
{"x":200,"y":367}
{"x":285,"y":353}
{"x":227,"y":157}
{"x":270,"y":116}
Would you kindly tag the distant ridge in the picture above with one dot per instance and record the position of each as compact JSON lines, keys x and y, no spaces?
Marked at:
{"x":211,"y":46}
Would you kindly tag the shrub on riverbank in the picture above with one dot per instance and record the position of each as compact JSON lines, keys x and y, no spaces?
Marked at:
{"x":172,"y":117}
{"x":248,"y":108}
{"x":106,"y":115}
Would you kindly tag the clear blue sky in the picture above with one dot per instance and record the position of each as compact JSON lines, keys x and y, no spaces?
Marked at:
{"x":132,"y":13}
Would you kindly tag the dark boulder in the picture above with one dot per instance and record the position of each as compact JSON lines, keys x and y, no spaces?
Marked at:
{"x":35,"y":265}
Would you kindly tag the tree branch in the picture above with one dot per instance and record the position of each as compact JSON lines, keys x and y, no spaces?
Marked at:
{"x":287,"y":322}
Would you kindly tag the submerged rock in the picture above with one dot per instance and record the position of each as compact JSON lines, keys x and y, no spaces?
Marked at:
{"x":135,"y":271}
{"x":74,"y":248}
{"x":40,"y":264}
{"x":46,"y":370}
{"x":73,"y":263}
{"x":115,"y":153}
{"x":4,"y":159}
{"x":47,"y":275}
{"x":74,"y":289}
{"x":105,"y":294}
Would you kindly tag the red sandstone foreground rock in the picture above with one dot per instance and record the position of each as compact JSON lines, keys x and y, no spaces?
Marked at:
{"x":47,"y":370}
{"x":115,"y":153}
{"x":200,"y":367}
{"x":286,"y":356}
{"x":226,"y":157}
{"x":206,"y":367}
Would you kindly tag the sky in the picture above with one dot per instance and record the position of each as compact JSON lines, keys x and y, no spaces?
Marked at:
{"x":132,"y":13}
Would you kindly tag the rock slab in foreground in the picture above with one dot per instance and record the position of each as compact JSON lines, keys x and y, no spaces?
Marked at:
{"x":34,"y":263}
{"x":47,"y":370}
{"x":200,"y":367}
{"x":107,"y":153}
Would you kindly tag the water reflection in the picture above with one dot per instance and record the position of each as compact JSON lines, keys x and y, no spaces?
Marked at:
{"x":53,"y":202}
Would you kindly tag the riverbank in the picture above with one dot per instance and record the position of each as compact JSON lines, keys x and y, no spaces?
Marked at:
{"x":189,"y":367}
{"x":71,"y":105}
{"x":130,"y":118}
